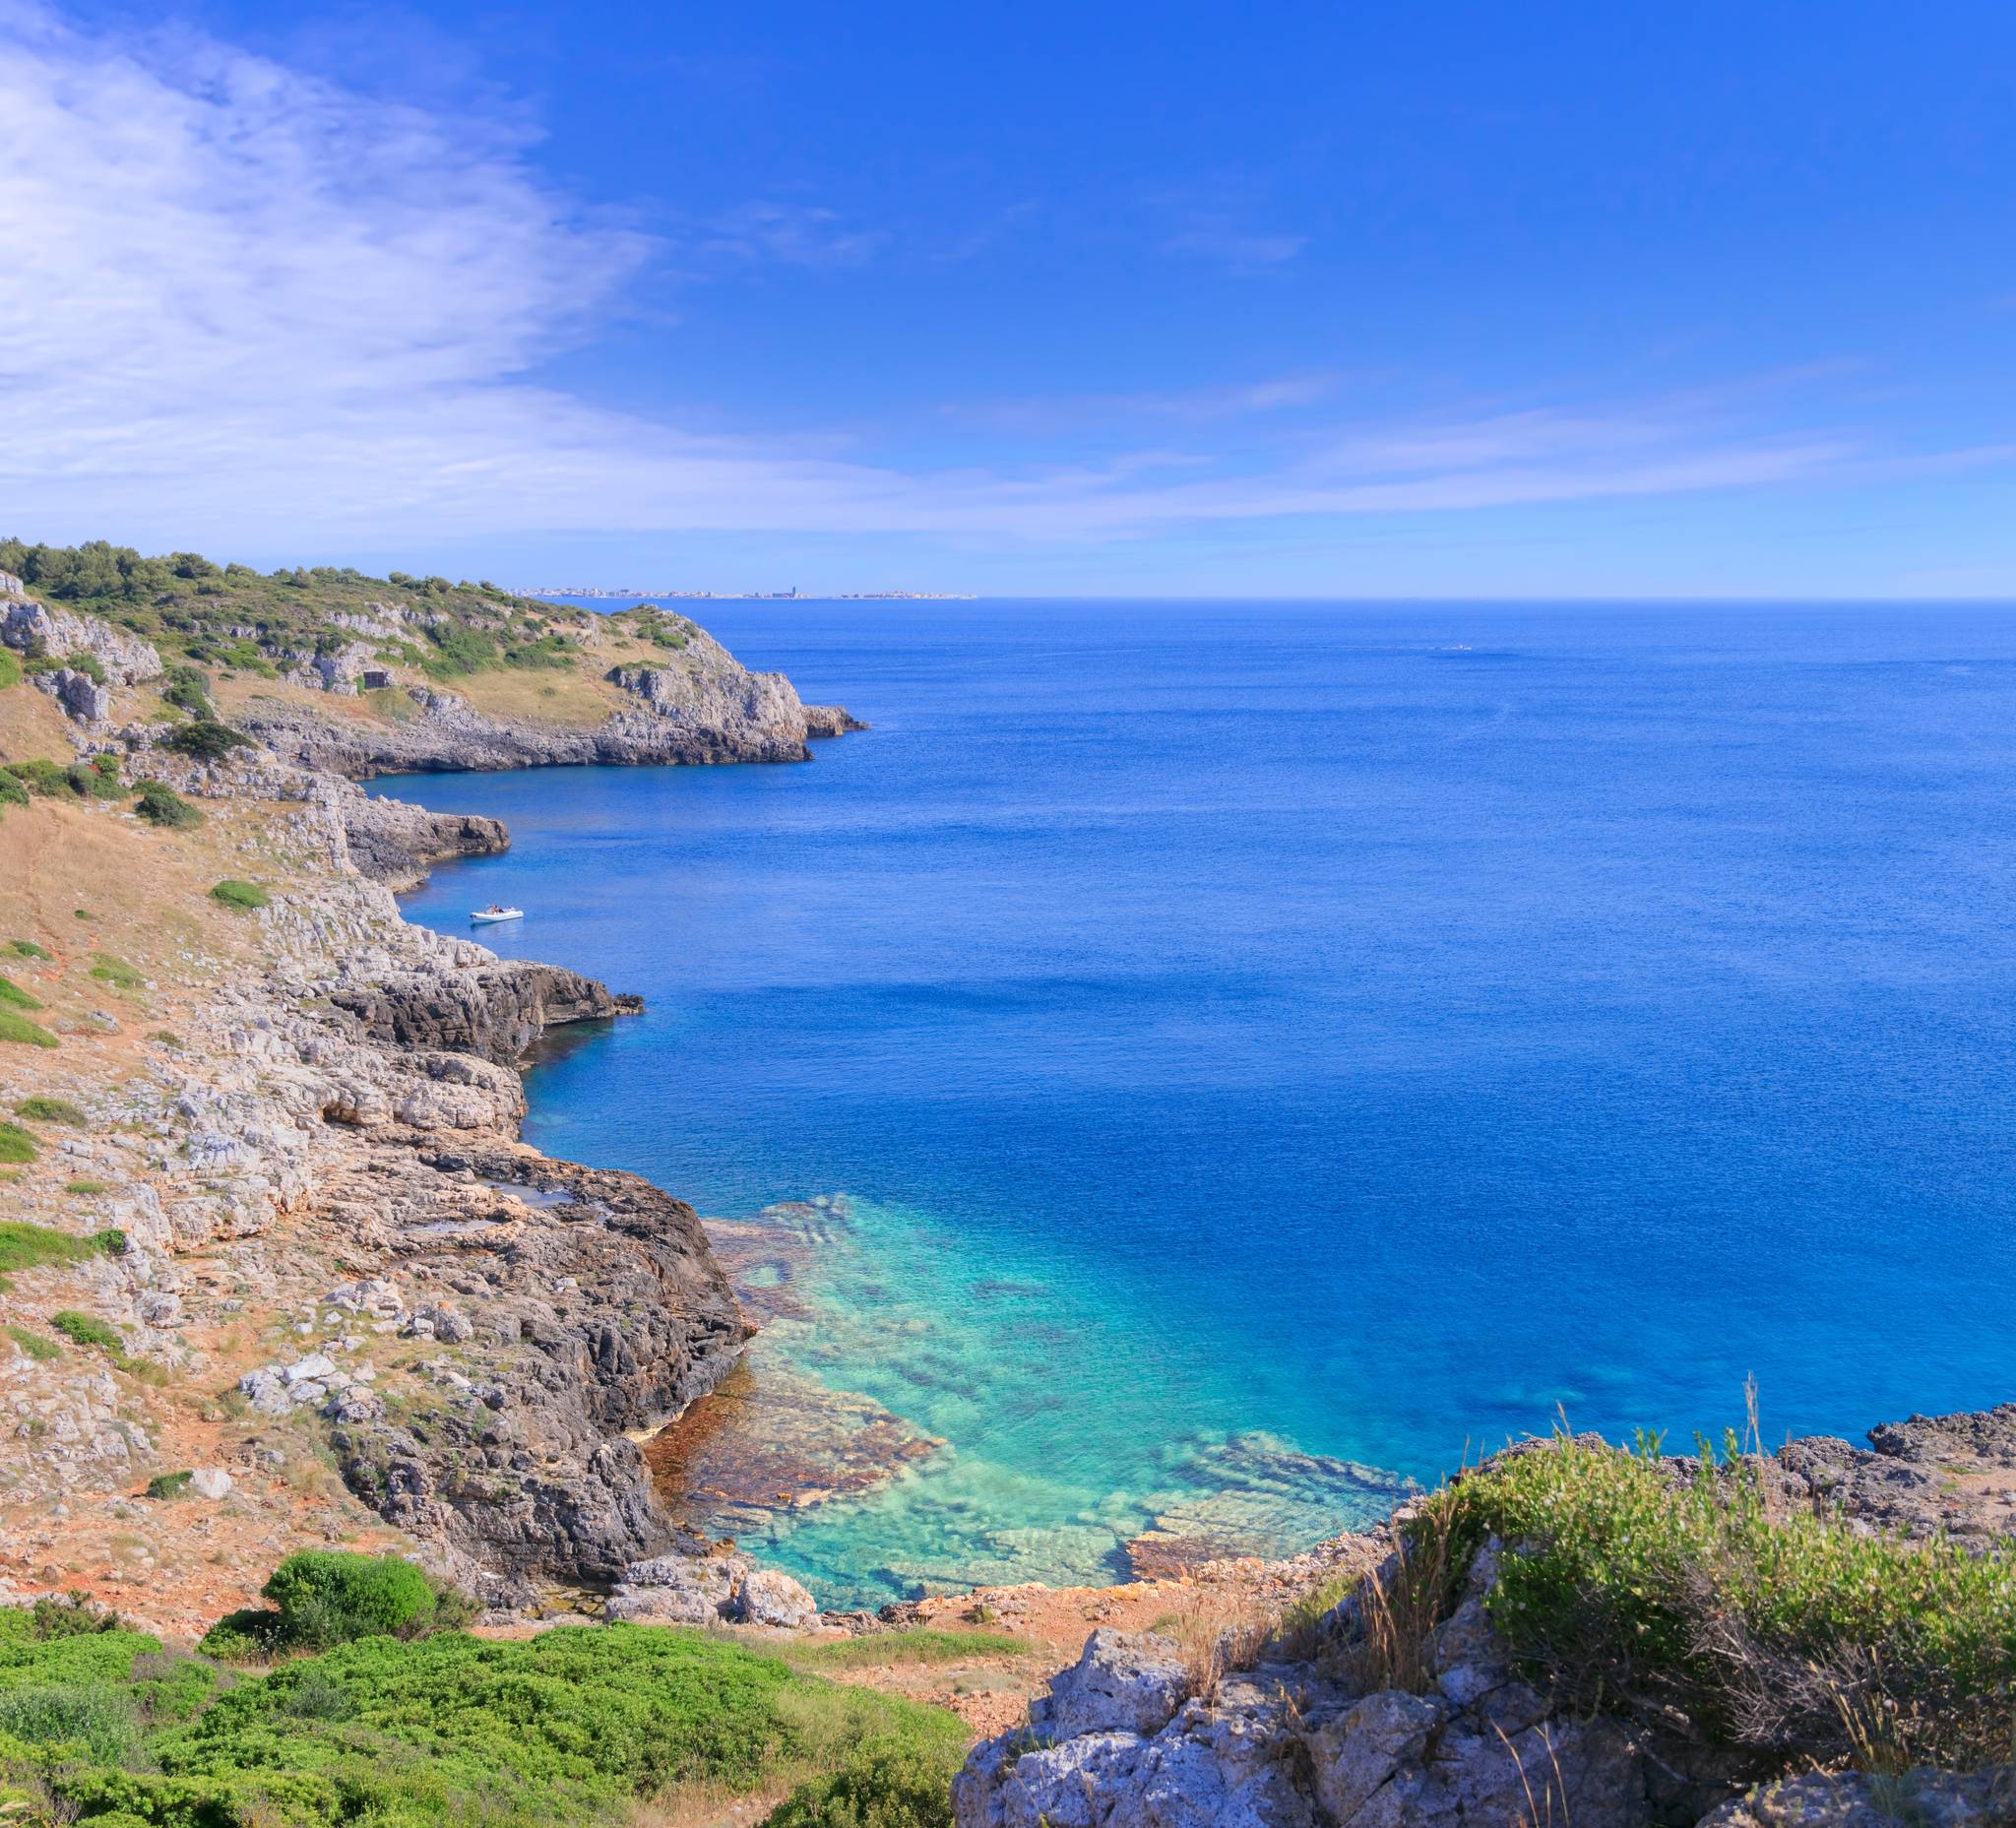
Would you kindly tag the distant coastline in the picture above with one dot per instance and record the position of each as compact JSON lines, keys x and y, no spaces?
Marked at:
{"x":562,"y":592}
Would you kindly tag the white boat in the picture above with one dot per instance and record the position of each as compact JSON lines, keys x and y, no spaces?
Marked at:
{"x":490,"y":917}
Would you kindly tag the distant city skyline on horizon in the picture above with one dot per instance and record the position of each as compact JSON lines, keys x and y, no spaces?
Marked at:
{"x":1432,"y":302}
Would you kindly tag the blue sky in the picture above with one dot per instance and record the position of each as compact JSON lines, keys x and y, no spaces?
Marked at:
{"x":1426,"y":299}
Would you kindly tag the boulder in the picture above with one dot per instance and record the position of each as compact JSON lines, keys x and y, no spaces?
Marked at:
{"x":766,"y":1597}
{"x":1852,"y":1800}
{"x":1123,"y":1682}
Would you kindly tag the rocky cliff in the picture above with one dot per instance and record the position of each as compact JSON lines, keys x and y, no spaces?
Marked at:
{"x":471,"y":1332}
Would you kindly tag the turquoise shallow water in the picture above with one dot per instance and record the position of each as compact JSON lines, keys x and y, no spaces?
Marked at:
{"x":1252,"y":1032}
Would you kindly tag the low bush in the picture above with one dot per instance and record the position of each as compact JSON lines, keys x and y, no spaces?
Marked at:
{"x":42,"y":778}
{"x":160,"y":804}
{"x":897,"y":1785}
{"x":187,"y":689}
{"x":87,"y":1189}
{"x":205,"y":741}
{"x":236,"y":894}
{"x":17,"y":1144}
{"x":27,"y":949}
{"x":15,"y":1027}
{"x":36,"y":1347}
{"x":88,"y":663}
{"x":12,"y":792}
{"x":86,"y":1329}
{"x":42,"y":1110}
{"x":12,"y":993}
{"x":574,"y":1725}
{"x":115,"y":972}
{"x":10,"y":671}
{"x":1680,"y":1597}
{"x":165,"y":1486}
{"x":75,"y":1615}
{"x":328,"y":1597}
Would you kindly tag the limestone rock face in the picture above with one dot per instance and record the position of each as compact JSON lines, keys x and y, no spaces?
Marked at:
{"x":81,"y":696}
{"x":1284,"y":1746}
{"x":495,"y":1011}
{"x":1123,"y":1682}
{"x":24,"y":622}
{"x":393,"y":843}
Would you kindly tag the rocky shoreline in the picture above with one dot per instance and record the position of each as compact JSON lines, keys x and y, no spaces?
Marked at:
{"x":475,"y":1336}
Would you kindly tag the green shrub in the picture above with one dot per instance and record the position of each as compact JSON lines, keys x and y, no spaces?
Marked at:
{"x":42,"y":1110}
{"x":87,"y":662}
{"x":86,"y":1329}
{"x":329,"y":1597}
{"x":12,"y":792}
{"x":236,"y":894}
{"x":205,"y":741}
{"x":44,"y":780}
{"x":95,"y":1719}
{"x":15,"y":1027}
{"x":12,"y":992}
{"x":10,"y":671}
{"x":1682,"y":1599}
{"x":187,"y":689}
{"x":75,"y":1615}
{"x":27,"y":949}
{"x":17,"y":1144}
{"x":87,"y":1189}
{"x":244,"y":1636}
{"x":36,"y":1347}
{"x":165,"y":1486}
{"x":895,"y":1785}
{"x":115,"y":972}
{"x":160,"y":804}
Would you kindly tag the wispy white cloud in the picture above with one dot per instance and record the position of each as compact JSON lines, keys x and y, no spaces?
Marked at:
{"x":243,"y":303}
{"x":1233,"y":245}
{"x":795,"y":234}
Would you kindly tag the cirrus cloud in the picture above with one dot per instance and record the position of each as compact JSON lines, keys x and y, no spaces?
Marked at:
{"x":242,"y":302}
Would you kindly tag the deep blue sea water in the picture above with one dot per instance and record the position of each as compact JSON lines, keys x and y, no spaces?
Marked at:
{"x":1366,"y":1029}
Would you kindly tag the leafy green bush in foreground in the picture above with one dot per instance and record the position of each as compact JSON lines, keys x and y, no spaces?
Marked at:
{"x":1636,"y":1587}
{"x":323,"y":1598}
{"x":572,"y":1725}
{"x":236,"y":894}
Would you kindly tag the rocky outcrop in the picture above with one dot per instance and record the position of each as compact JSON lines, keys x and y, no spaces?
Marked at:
{"x":573,"y":1306}
{"x":82,"y":697}
{"x":705,"y":1586}
{"x":1122,"y":1742}
{"x":393,"y":843}
{"x":29,"y":626}
{"x":495,"y":1010}
{"x":701,"y":706}
{"x":829,"y":721}
{"x":1852,"y":1800}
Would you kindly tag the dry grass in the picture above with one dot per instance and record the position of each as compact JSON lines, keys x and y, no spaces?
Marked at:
{"x":1216,"y":1630}
{"x":575,"y":700}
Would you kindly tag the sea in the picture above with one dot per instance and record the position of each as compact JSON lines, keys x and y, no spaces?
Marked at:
{"x":1221,"y":1062}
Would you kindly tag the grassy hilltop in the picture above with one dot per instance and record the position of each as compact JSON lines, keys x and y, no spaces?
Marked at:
{"x":231,"y":616}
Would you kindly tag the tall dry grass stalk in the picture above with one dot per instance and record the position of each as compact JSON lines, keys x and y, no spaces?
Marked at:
{"x":1217,"y":1632}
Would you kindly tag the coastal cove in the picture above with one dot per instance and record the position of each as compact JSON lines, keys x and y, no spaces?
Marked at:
{"x":1256,"y":1043}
